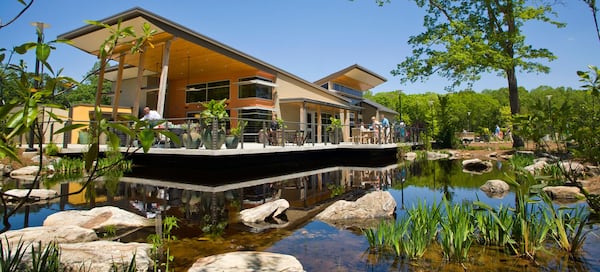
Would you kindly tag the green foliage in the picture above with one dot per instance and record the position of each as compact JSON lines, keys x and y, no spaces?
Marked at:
{"x":457,"y":228}
{"x":459,"y":44}
{"x":160,"y":250}
{"x":11,"y":255}
{"x":237,"y":130}
{"x":212,"y":228}
{"x":335,"y":124}
{"x":51,"y":149}
{"x":109,"y":231}
{"x":336,"y":190}
{"x":566,"y":225}
{"x":214,"y":109}
{"x":47,"y":259}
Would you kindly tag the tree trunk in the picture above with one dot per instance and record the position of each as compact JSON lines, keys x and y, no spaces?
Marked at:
{"x":515,"y":107}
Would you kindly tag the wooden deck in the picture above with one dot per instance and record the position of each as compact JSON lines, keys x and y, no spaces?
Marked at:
{"x":253,"y":161}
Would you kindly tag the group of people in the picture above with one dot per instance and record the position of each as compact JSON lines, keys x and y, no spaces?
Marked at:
{"x":381,"y":129}
{"x":500,"y":135}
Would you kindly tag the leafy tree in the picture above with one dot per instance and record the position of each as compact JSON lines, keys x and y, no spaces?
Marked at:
{"x":594,"y":9}
{"x":85,"y":92}
{"x":26,"y":6}
{"x":464,"y":39}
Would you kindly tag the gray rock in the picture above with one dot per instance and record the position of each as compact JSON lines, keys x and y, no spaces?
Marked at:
{"x":98,"y":218}
{"x":572,"y":167}
{"x":495,"y":188}
{"x":410,"y":156}
{"x":376,"y":204}
{"x":100,"y":256}
{"x":5,"y":169}
{"x":24,"y":171}
{"x":45,"y":235}
{"x":247,"y":261}
{"x":437,"y":156}
{"x":39,"y":194}
{"x":477,"y":166}
{"x":564,"y":192}
{"x":266,"y":210}
{"x":537,"y":166}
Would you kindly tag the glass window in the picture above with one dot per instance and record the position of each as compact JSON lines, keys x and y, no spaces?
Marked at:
{"x":256,"y":118}
{"x":251,"y":87}
{"x":203,"y":92}
{"x":344,"y":89}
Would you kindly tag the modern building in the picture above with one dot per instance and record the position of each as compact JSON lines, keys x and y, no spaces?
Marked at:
{"x":183,"y":68}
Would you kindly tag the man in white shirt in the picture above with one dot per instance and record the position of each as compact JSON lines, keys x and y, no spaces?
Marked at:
{"x":151,"y":116}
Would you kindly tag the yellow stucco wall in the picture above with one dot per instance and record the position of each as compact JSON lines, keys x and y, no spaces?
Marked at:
{"x":80,"y":114}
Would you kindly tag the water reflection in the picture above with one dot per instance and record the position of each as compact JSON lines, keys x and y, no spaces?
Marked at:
{"x":213,"y":211}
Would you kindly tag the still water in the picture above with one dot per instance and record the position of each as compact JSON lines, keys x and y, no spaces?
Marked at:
{"x":210,"y":225}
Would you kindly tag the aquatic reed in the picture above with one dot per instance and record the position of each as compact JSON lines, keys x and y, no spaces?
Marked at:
{"x":566,"y":225}
{"x":457,"y":228}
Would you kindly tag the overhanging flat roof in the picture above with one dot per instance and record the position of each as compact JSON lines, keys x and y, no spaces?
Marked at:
{"x":215,"y":56}
{"x":354,"y":76}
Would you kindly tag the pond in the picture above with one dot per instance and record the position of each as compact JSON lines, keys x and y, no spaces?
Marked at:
{"x":210,"y":222}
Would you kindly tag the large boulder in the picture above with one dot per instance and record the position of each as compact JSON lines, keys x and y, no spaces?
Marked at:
{"x":564,"y":193}
{"x":477,"y":166}
{"x":100,"y":256}
{"x":436,"y":156}
{"x":98,"y":218}
{"x":376,"y":204}
{"x":266,"y":210}
{"x":247,"y":261}
{"x":572,"y":167}
{"x":410,"y":156}
{"x":27,"y":173}
{"x":495,"y":188}
{"x":5,"y":169}
{"x":36,"y":194}
{"x":536,"y":166}
{"x":45,"y":235}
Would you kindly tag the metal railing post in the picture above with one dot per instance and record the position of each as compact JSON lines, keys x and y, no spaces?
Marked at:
{"x":214,"y":133}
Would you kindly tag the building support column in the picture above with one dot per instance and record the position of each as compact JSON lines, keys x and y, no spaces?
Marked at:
{"x":303,"y":118}
{"x":162,"y":85}
{"x":138,"y":91}
{"x":117,"y":90}
{"x":319,"y":125}
{"x":346,"y":122}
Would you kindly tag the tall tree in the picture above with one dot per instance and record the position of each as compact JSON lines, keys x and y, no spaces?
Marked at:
{"x":594,"y":9}
{"x":467,"y":38}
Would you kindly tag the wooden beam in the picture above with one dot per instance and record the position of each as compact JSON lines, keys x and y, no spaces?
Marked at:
{"x":162,"y":85}
{"x":138,"y":94}
{"x":118,"y":87}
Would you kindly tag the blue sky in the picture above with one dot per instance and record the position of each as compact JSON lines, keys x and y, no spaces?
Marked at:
{"x":309,"y":38}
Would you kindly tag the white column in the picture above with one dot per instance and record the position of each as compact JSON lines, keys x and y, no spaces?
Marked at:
{"x":162,"y":85}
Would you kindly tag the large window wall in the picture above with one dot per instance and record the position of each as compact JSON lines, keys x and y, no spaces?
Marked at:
{"x":206,"y":91}
{"x":255,"y":87}
{"x":256,"y":118}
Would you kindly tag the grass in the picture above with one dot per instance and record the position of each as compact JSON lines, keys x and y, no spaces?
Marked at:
{"x":521,"y":231}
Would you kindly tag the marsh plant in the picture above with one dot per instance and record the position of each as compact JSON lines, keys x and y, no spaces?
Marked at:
{"x":160,"y":250}
{"x":532,"y":225}
{"x":457,"y":228}
{"x":42,"y":258}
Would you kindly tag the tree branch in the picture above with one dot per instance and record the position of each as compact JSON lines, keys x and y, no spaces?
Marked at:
{"x":18,"y":15}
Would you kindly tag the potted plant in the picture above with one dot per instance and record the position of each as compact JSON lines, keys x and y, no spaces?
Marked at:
{"x":191,"y":137}
{"x":232,"y":140}
{"x":213,"y":134}
{"x":335,"y":130}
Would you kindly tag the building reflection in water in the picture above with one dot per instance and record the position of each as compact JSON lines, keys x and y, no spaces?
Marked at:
{"x":211,"y":205}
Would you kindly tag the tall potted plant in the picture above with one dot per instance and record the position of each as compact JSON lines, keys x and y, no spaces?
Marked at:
{"x":232,"y":140}
{"x":191,"y":136}
{"x":335,"y":130}
{"x":213,"y":134}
